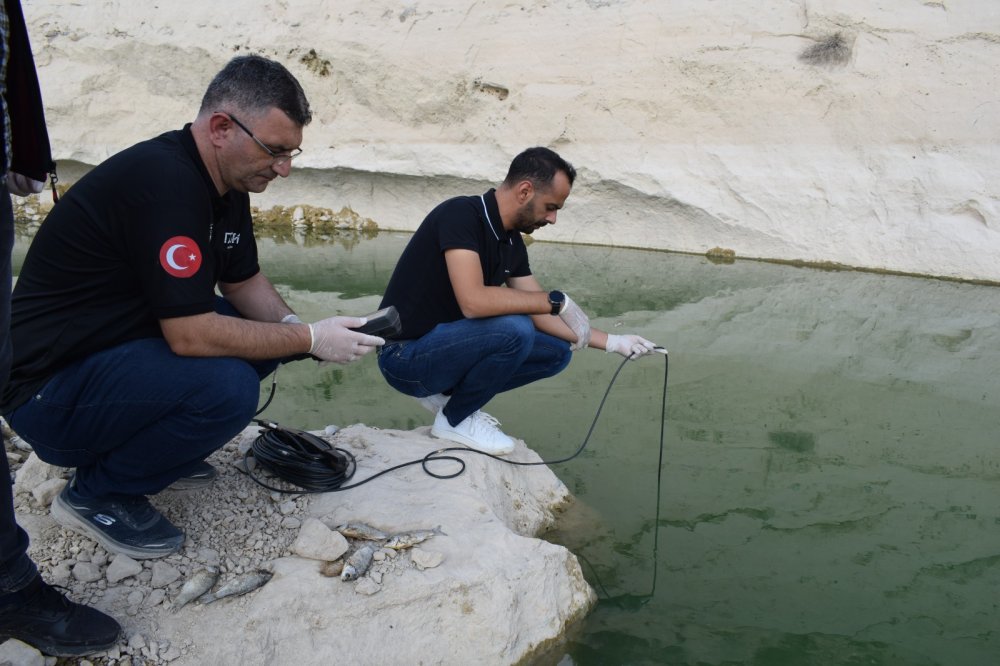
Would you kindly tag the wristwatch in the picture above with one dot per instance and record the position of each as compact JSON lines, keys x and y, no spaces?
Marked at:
{"x":557,"y":300}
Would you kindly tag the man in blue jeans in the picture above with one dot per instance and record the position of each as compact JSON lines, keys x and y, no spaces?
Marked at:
{"x":127,"y":366}
{"x":475,"y":320}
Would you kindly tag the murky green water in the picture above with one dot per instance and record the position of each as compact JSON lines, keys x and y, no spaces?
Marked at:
{"x":830,"y":476}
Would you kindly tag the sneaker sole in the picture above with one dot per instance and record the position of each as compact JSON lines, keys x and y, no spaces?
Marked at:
{"x":469,"y":443}
{"x":190,"y":484}
{"x":68,"y":518}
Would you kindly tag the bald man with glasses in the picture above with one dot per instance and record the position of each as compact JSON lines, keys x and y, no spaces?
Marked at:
{"x":127,"y":365}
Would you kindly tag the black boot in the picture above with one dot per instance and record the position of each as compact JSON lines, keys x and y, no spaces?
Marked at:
{"x":42,"y":617}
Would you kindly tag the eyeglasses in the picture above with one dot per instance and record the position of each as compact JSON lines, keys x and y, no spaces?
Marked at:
{"x":277,"y":159}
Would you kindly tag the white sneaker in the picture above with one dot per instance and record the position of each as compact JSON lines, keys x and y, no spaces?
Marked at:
{"x":479,"y":431}
{"x":434,"y":403}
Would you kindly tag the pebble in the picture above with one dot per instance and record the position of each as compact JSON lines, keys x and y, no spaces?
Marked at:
{"x":426,"y":559}
{"x":291,"y":523}
{"x":156,"y":598}
{"x":367,"y":587}
{"x":122,"y":567}
{"x":86,"y":572}
{"x":318,"y":542}
{"x":46,"y":491}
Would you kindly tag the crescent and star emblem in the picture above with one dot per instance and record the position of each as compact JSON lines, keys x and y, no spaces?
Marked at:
{"x":180,"y":256}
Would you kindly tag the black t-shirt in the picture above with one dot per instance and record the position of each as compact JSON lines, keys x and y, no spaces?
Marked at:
{"x":420,"y":287}
{"x":143,"y":236}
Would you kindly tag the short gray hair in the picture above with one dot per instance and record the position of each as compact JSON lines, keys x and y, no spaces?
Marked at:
{"x":253,"y":83}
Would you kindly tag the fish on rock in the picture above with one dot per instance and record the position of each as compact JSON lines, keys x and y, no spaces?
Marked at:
{"x":195,"y":586}
{"x":357,"y":564}
{"x":405,"y":540}
{"x":362,"y":531}
{"x":241,"y":584}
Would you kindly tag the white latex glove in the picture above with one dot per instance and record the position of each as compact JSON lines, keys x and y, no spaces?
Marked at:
{"x":573,"y":316}
{"x":629,"y":346}
{"x":291,"y":319}
{"x":21,"y":185}
{"x":333,"y":339}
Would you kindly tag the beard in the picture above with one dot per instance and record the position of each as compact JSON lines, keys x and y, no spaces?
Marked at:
{"x":525,"y":221}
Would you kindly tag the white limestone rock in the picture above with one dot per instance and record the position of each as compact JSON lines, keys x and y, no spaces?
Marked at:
{"x":122,"y":567}
{"x":33,"y":473}
{"x":46,"y":491}
{"x":511,"y":592}
{"x":13,"y":651}
{"x":318,"y":542}
{"x":693,"y":125}
{"x":426,"y":559}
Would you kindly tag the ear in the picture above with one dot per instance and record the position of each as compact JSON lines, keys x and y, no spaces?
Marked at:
{"x":525,"y":190}
{"x":219,"y":128}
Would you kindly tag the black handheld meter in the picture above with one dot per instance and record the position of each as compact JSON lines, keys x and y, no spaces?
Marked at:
{"x":383,"y":323}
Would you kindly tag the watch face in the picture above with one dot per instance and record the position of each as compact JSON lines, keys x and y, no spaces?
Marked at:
{"x":556,"y":299}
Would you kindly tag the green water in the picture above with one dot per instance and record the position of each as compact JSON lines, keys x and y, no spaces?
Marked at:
{"x":830,"y":475}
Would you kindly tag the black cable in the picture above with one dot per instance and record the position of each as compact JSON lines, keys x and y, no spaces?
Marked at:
{"x":316,"y":466}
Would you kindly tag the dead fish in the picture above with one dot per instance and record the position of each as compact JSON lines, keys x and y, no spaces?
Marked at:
{"x":358,"y":563}
{"x":242,"y":584}
{"x":195,"y":586}
{"x":332,"y":569}
{"x":362,"y":531}
{"x":404,"y":540}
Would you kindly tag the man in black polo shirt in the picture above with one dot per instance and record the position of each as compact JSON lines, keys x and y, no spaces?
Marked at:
{"x":475,"y":320}
{"x":127,"y":366}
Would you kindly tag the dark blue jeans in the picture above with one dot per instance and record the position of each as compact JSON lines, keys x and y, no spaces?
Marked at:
{"x":473,"y":360}
{"x":16,"y":569}
{"x":134,"y":418}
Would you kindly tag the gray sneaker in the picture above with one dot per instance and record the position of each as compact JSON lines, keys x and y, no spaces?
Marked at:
{"x":125,"y":524}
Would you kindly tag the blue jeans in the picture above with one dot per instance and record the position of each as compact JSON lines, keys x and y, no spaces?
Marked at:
{"x":16,"y":568}
{"x":134,"y":418}
{"x":473,"y":360}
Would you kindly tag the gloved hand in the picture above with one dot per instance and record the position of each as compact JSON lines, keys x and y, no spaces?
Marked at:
{"x":629,"y":346}
{"x":573,"y":316}
{"x":333,"y":339}
{"x":21,"y":185}
{"x":291,"y":319}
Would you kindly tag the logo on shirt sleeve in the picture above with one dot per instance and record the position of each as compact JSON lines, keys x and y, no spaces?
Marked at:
{"x":180,"y":256}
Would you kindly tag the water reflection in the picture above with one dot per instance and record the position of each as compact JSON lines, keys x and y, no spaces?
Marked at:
{"x":829,"y":481}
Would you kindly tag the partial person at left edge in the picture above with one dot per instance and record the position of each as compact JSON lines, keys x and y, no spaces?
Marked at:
{"x":127,"y":365}
{"x":31,"y":610}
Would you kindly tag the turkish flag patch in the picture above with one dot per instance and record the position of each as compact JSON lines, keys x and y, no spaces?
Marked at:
{"x":180,"y":256}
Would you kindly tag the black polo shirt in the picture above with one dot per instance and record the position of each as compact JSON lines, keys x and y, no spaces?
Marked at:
{"x":143,"y":236}
{"x":420,"y":287}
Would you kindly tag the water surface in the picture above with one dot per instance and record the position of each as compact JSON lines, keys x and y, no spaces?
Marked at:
{"x":830,"y":468}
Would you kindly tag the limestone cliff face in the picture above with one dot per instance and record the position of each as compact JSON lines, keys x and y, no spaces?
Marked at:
{"x":857,"y":132}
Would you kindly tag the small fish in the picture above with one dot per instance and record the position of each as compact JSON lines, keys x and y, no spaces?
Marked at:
{"x":404,"y":540}
{"x":362,"y":531}
{"x":358,"y":563}
{"x":195,"y":586}
{"x":242,"y":584}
